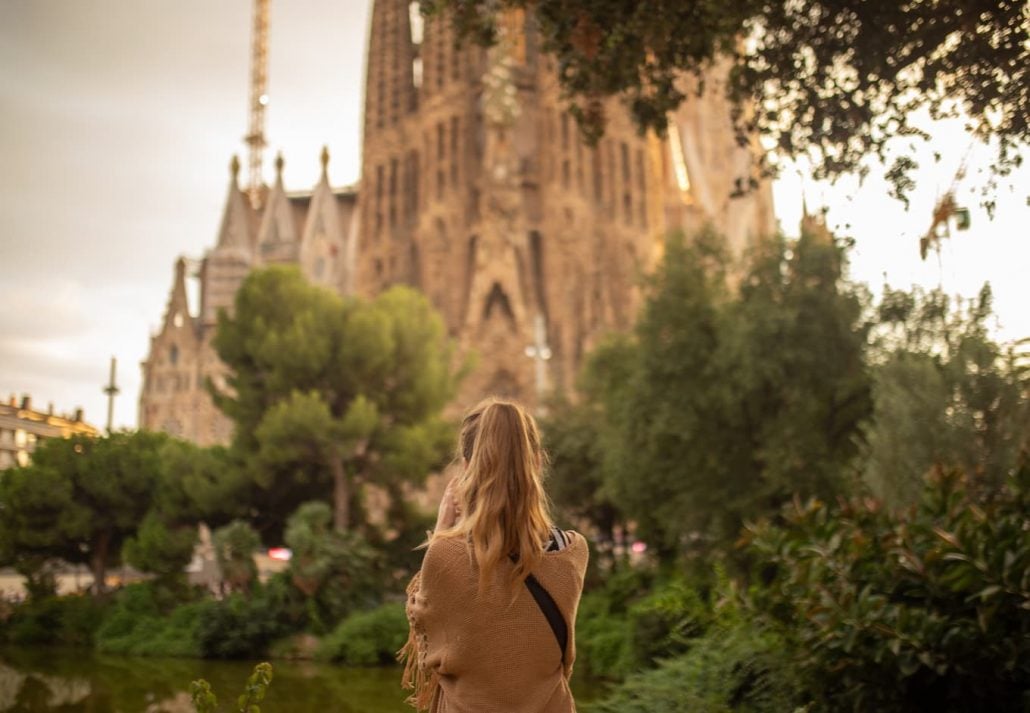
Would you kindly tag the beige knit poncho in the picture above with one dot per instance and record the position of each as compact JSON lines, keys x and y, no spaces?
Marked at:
{"x":474,"y":653}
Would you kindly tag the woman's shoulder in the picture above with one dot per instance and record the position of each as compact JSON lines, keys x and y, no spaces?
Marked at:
{"x":573,"y":547}
{"x":445,"y":547}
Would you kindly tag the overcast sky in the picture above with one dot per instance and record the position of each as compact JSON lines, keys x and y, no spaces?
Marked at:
{"x":118,"y":119}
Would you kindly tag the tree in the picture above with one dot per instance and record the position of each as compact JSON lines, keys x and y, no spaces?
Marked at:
{"x":796,"y":346}
{"x":110,"y":483}
{"x":94,"y":500}
{"x":234,"y":546}
{"x":833,"y":80}
{"x":160,"y":549}
{"x":336,"y":571}
{"x":33,"y":502}
{"x":723,"y":403}
{"x":573,"y":439}
{"x":193,"y":484}
{"x":946,"y":395}
{"x":331,"y":393}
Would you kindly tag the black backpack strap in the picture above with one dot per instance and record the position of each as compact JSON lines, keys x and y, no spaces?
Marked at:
{"x":551,"y":612}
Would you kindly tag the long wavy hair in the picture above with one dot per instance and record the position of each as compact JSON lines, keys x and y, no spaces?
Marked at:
{"x":504,"y":509}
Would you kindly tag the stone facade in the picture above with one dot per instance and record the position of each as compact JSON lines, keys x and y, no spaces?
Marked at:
{"x":476,"y":188}
{"x":313,"y":229}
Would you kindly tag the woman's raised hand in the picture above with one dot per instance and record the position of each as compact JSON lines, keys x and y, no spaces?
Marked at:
{"x":450,"y":510}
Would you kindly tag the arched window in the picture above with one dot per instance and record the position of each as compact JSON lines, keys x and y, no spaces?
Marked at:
{"x":497,"y":301}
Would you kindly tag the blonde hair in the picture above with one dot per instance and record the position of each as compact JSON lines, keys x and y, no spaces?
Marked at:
{"x":503,"y":505}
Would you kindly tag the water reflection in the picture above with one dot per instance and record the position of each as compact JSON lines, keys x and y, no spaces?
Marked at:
{"x":48,"y":681}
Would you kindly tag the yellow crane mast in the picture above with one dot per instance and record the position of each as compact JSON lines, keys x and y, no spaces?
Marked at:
{"x":255,"y":138}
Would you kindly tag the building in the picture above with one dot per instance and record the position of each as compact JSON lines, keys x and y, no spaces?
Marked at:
{"x":477,"y":188}
{"x":22,"y":429}
{"x":314,"y":229}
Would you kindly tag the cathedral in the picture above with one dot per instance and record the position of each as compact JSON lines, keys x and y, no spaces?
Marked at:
{"x":476,"y":188}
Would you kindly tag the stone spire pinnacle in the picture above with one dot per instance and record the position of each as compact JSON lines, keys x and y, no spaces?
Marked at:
{"x":279,"y":163}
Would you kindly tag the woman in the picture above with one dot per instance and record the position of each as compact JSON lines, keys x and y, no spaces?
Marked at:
{"x":480,"y":640}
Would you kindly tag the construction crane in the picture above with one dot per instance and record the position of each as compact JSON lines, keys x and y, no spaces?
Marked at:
{"x":943,"y":211}
{"x":255,"y":138}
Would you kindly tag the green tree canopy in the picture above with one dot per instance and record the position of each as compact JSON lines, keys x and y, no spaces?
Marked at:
{"x":832,"y":80}
{"x":724,"y":402}
{"x":330,"y":393}
{"x":946,"y":394}
{"x":34,"y":502}
{"x":137,"y":495}
{"x":193,"y":484}
{"x":101,"y":490}
{"x":235,"y":544}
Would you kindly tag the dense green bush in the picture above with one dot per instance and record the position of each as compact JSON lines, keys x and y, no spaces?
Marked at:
{"x":68,"y":621}
{"x":733,"y":667}
{"x":147,"y":620}
{"x":636,"y":619}
{"x":338,"y":572}
{"x":367,"y":638}
{"x":923,"y":610}
{"x":663,"y":622}
{"x":602,"y":639}
{"x":237,"y":627}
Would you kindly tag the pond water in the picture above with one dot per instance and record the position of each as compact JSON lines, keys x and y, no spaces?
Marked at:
{"x":34,"y":680}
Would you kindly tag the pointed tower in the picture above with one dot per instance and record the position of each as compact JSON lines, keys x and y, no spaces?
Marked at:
{"x":169,"y":372}
{"x":326,"y":250}
{"x":278,"y":237}
{"x":226,"y":265}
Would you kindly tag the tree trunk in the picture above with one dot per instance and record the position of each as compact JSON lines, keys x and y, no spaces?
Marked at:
{"x":98,"y":562}
{"x":341,"y":493}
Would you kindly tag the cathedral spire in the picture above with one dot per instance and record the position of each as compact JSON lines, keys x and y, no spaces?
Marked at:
{"x":324,"y":158}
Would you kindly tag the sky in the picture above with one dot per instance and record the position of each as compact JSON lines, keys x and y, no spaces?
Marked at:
{"x":118,"y":121}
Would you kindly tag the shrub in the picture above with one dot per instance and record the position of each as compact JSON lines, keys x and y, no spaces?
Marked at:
{"x":635,"y":620}
{"x":368,"y":638}
{"x":734,"y":667}
{"x":663,"y":622}
{"x":234,"y":546}
{"x":926,"y":610}
{"x":68,"y":621}
{"x":338,"y":572}
{"x":602,"y":640}
{"x":237,"y":627}
{"x":147,"y":621}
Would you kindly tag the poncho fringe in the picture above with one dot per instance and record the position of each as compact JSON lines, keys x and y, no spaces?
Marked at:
{"x":423,"y":684}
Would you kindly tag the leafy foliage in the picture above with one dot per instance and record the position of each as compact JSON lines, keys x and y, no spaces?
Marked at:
{"x":730,"y":668}
{"x":945,"y":394}
{"x":331,"y":393}
{"x":238,"y":627}
{"x":205,"y":701}
{"x":573,"y":439}
{"x":148,"y":620}
{"x":721,"y":405}
{"x":833,"y":80}
{"x":65,"y":621}
{"x":99,"y":491}
{"x":893,"y":613}
{"x":235,"y":545}
{"x":368,"y":638}
{"x":336,"y":571}
{"x":160,"y":549}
